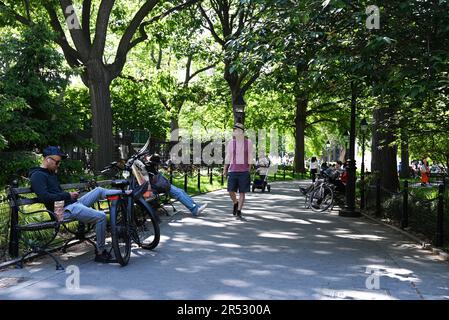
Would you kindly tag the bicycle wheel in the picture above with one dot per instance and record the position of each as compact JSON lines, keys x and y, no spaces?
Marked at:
{"x":121,"y":241}
{"x":145,"y":229}
{"x":321,"y":198}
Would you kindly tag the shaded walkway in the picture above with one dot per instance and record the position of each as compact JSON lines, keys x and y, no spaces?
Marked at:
{"x":279,"y":251}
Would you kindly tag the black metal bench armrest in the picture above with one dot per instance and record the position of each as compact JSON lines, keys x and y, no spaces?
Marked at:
{"x":50,"y":213}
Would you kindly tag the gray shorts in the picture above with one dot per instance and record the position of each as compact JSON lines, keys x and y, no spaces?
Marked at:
{"x":239,"y":181}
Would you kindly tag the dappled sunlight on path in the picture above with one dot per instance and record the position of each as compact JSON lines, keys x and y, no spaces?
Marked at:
{"x":279,"y":250}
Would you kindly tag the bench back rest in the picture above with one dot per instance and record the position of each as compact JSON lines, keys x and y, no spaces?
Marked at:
{"x":25,"y":196}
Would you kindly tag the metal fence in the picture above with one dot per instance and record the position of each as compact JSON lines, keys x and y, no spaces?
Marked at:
{"x":4,"y":227}
{"x":422,"y":210}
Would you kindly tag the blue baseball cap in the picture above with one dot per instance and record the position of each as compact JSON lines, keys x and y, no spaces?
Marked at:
{"x":54,"y":151}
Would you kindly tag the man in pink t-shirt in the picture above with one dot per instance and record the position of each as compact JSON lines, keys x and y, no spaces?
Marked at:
{"x":238,"y":163}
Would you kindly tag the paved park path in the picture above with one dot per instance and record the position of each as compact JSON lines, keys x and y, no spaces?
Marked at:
{"x":279,"y":251}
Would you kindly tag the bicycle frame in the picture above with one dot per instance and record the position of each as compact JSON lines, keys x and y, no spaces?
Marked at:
{"x":128,"y":226}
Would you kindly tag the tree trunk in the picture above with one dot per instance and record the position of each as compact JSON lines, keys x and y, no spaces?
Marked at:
{"x":238,"y":104}
{"x":405,"y":157}
{"x":238,"y":101}
{"x":174,"y":124}
{"x":300,"y":126}
{"x":100,"y":97}
{"x":383,"y":154}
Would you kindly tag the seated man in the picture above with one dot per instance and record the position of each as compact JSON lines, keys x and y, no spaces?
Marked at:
{"x":159,"y":183}
{"x":337,"y":176}
{"x":45,"y":184}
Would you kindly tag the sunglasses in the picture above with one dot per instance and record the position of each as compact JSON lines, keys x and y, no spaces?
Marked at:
{"x":57,"y":162}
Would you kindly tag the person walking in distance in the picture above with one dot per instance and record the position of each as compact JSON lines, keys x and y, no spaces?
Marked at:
{"x":237,"y":166}
{"x":425,"y":172}
{"x":313,"y":168}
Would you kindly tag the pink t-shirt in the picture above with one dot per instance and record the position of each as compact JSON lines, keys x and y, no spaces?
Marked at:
{"x":239,"y":155}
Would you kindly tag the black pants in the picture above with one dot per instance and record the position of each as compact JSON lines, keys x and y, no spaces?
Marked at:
{"x":313,"y":173}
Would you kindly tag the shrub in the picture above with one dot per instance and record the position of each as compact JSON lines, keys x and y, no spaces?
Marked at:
{"x":15,"y":165}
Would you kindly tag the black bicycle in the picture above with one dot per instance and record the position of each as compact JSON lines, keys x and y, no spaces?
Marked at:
{"x":320,"y":195}
{"x":132,"y":220}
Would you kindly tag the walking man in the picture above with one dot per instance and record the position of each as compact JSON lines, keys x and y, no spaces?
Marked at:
{"x":238,"y":161}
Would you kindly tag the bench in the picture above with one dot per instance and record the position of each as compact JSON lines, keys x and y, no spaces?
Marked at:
{"x":23,"y":203}
{"x":438,"y":177}
{"x":159,"y":200}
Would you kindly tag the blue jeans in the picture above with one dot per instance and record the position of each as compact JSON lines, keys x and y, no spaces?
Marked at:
{"x":82,"y":211}
{"x":184,"y":198}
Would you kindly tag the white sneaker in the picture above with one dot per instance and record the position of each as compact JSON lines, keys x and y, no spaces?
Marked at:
{"x":200,"y":209}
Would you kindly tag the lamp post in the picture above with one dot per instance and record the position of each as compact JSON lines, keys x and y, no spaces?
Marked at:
{"x":328,"y":146}
{"x":346,"y":139}
{"x":363,"y":129}
{"x":349,"y":209}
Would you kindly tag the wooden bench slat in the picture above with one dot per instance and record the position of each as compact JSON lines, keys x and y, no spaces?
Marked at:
{"x":104,"y":183}
{"x":78,"y":185}
{"x":27,"y":201}
{"x":22,"y":190}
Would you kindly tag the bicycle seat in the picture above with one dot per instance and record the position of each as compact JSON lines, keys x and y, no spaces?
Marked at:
{"x":119,"y":183}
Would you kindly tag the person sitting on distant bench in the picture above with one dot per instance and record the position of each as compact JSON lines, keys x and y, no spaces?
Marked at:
{"x":337,"y":176}
{"x":161,"y":184}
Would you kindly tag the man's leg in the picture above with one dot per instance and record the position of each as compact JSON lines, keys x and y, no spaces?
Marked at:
{"x":314,"y":172}
{"x":97,"y":194}
{"x":85,"y":214}
{"x":244,"y":186}
{"x":232,"y":189}
{"x":233,"y":196}
{"x":241,"y":200}
{"x":184,"y":198}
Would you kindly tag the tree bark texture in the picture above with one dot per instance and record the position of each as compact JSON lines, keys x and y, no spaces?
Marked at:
{"x":300,"y":126}
{"x":100,"y":96}
{"x":384,"y":153}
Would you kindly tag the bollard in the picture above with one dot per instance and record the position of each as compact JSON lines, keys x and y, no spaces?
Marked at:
{"x":284,"y":172}
{"x":378,"y":199}
{"x":14,"y":221}
{"x":440,"y":217}
{"x":222,"y":178}
{"x":211,"y":176}
{"x":199,"y":180}
{"x":404,"y":217}
{"x":362,"y":194}
{"x":171,"y":175}
{"x":14,"y":233}
{"x":185,"y":181}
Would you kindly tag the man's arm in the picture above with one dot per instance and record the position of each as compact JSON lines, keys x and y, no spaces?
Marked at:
{"x":39,"y":186}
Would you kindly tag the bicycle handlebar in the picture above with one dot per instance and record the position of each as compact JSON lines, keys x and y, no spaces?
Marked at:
{"x":128,"y":163}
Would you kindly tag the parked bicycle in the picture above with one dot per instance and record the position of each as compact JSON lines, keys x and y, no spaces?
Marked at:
{"x":322,"y":194}
{"x":131,"y":220}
